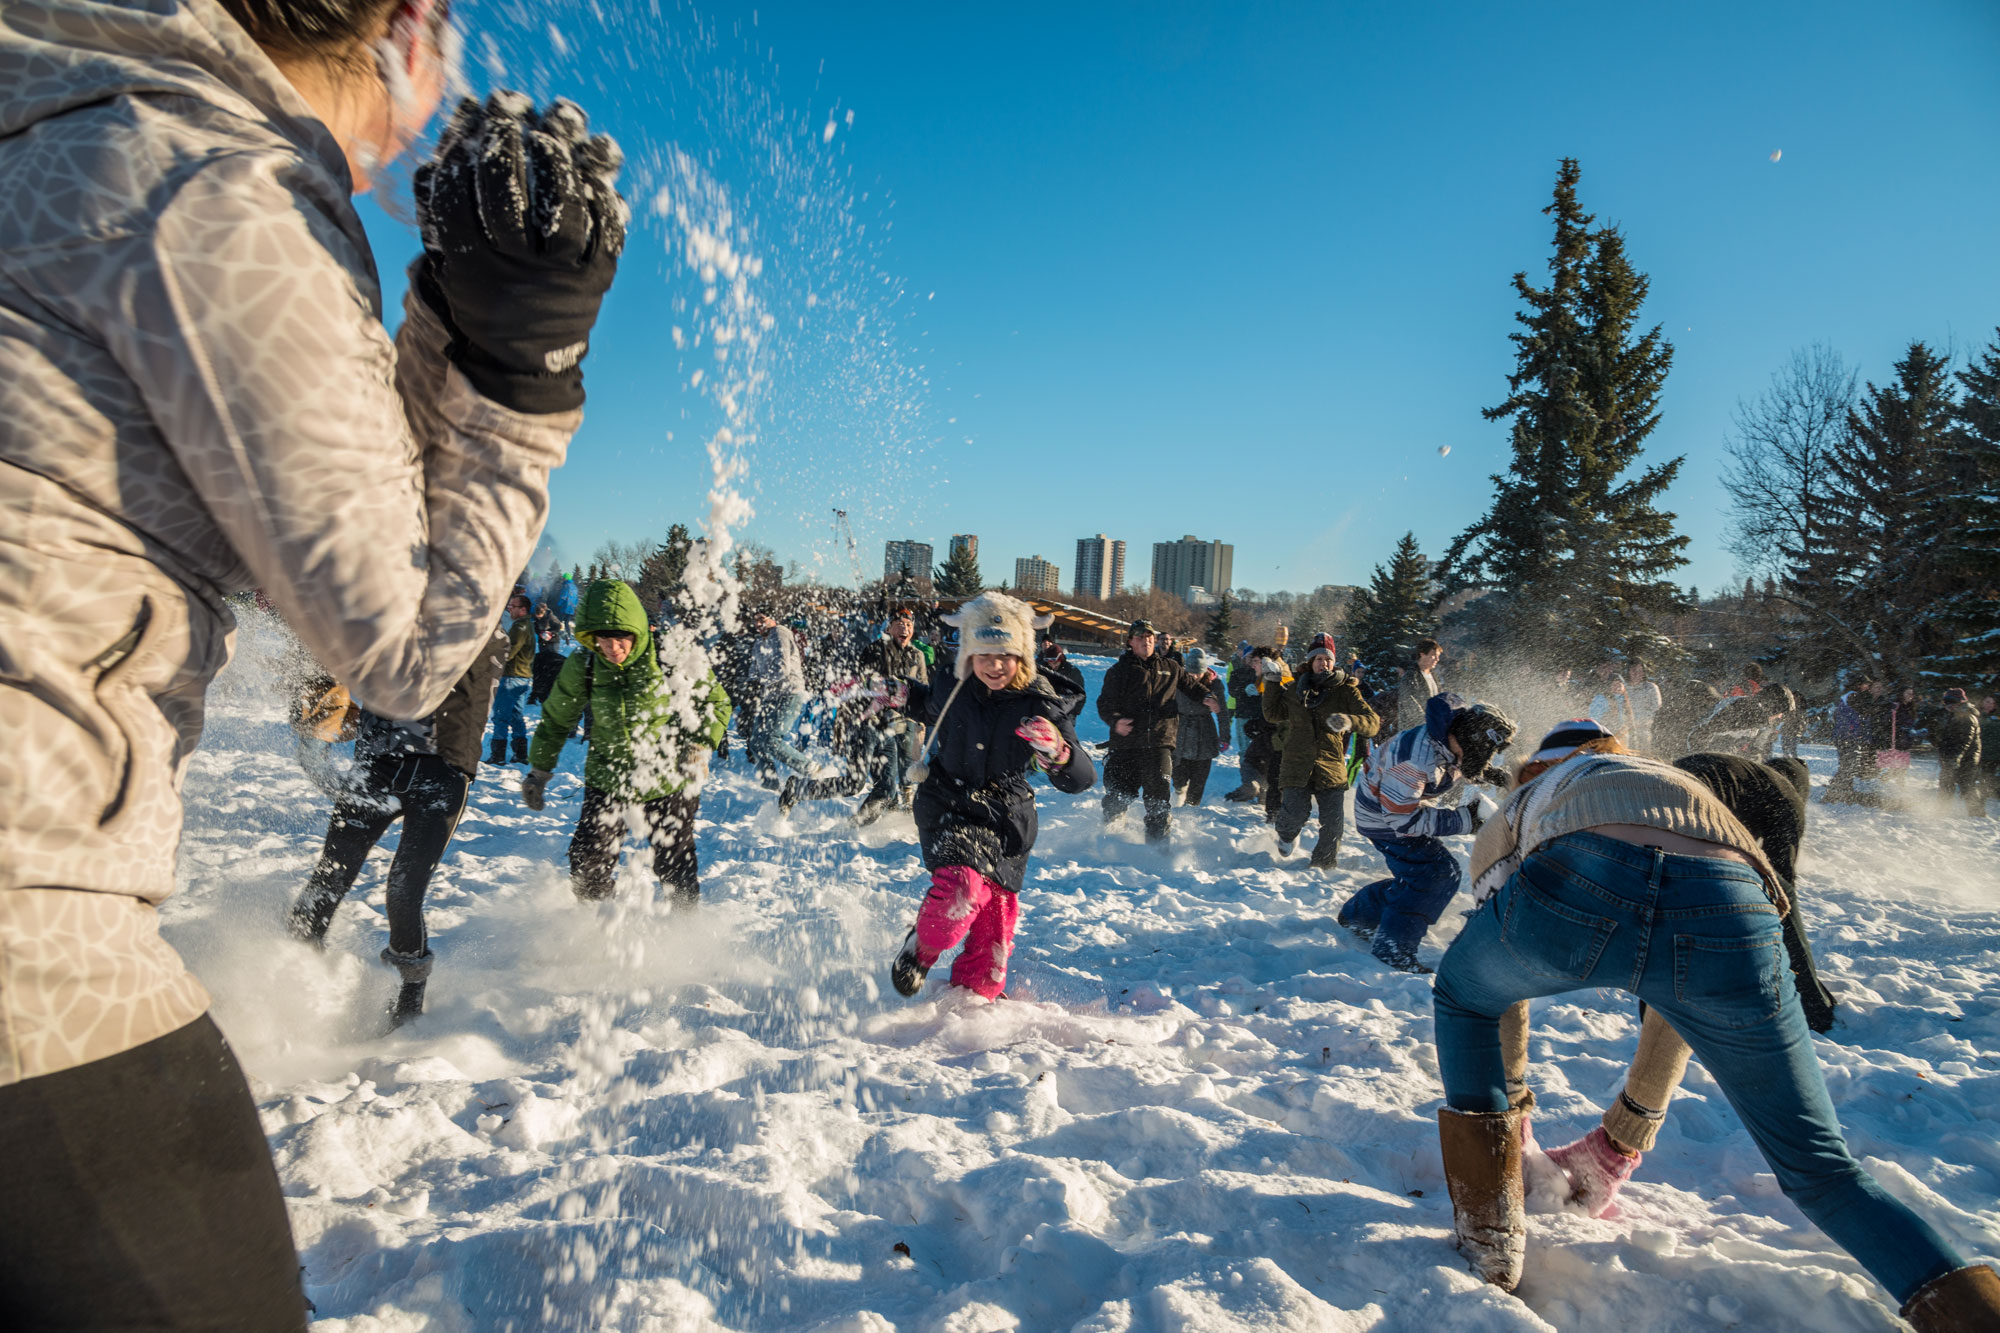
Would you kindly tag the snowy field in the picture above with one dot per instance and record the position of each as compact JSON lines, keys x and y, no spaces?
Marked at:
{"x":1202,"y":1107}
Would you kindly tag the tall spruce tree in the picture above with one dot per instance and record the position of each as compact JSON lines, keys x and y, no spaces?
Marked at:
{"x":1388,"y":616}
{"x":1968,"y":555}
{"x":1221,"y":632}
{"x":663,"y":571}
{"x":1888,"y":512}
{"x":958,"y":576}
{"x":1577,"y":557}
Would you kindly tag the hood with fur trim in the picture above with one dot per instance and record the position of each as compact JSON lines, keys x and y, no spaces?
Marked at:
{"x":993,"y":622}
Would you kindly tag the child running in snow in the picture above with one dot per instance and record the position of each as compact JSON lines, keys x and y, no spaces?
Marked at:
{"x":1411,"y":795}
{"x":648,"y":742}
{"x":975,"y":811}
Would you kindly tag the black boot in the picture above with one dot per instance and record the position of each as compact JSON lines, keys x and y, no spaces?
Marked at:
{"x":906,"y":974}
{"x":310,"y":916}
{"x":498,"y":754}
{"x":520,"y":749}
{"x":409,"y":1003}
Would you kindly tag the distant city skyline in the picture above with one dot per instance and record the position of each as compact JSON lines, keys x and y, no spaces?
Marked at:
{"x":1034,"y":575}
{"x":1191,"y":562}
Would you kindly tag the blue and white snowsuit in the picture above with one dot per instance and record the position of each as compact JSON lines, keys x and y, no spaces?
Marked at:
{"x":1407,"y":800}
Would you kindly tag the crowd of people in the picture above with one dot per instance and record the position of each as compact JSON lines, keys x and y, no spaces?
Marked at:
{"x":200,"y":399}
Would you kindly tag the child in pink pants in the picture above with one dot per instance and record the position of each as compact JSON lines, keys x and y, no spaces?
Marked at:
{"x":975,"y":811}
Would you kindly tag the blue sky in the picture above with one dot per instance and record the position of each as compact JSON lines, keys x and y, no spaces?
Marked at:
{"x":1239,"y":270}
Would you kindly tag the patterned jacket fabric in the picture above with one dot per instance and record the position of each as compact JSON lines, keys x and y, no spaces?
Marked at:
{"x":197,"y":396}
{"x":1411,"y":786}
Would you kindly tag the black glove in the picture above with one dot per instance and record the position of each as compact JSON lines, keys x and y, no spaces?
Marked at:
{"x":1494,"y":777}
{"x":522,"y":227}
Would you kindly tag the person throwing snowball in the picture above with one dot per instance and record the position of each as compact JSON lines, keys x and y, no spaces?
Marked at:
{"x":974,"y":809}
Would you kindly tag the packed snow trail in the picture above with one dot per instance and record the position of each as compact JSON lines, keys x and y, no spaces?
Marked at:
{"x":1201,"y":1108}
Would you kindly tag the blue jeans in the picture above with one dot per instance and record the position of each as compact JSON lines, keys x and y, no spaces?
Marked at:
{"x":770,"y":743}
{"x":1398,"y":911}
{"x":508,"y":696}
{"x":1695,"y":938}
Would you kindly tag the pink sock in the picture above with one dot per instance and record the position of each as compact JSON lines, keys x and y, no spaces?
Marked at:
{"x":1596,"y":1171}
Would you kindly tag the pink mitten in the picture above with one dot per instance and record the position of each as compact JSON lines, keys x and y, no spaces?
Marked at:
{"x":1596,"y":1171}
{"x":1047,"y":742}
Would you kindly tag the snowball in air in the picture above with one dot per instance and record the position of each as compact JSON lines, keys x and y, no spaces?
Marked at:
{"x":1776,"y":154}
{"x":1444,"y":451}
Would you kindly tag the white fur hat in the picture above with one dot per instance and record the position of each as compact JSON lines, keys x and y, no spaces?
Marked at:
{"x":993,"y":622}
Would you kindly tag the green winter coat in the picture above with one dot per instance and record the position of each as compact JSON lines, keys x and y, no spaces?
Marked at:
{"x":1313,"y":757}
{"x":635,"y":735}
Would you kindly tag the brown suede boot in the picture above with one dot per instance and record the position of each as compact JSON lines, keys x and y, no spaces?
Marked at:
{"x":1482,"y":1168}
{"x":1965,"y":1300}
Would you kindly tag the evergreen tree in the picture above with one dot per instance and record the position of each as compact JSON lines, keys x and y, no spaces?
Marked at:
{"x":1968,"y":554}
{"x":1306,"y":624}
{"x":1889,"y":510}
{"x":959,"y":576}
{"x":1576,"y":558}
{"x":664,"y":570}
{"x":1221,"y":634}
{"x":1394,"y":610}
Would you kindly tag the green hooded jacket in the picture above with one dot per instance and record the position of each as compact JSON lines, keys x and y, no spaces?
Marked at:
{"x":635,"y":736}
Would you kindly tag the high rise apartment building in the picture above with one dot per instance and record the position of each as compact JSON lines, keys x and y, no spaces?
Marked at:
{"x":1100,"y":566}
{"x":1037,"y":577}
{"x":908,"y":555}
{"x":966,"y":542}
{"x":1192,"y":563}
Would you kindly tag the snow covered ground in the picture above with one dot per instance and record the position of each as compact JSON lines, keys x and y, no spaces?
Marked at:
{"x":1202,"y":1108}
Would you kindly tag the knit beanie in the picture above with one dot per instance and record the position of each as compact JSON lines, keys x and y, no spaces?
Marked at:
{"x":1567,"y":738}
{"x":1322,"y":646}
{"x":1197,"y":661}
{"x":1954,"y":695}
{"x":995,"y":623}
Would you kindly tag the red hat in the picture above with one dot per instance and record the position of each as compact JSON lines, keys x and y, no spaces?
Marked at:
{"x":1322,"y":646}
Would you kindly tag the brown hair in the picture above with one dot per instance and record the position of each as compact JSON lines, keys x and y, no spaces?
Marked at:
{"x":1534,"y":768}
{"x":310,"y":29}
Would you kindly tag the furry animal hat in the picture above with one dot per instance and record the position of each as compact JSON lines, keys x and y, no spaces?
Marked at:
{"x":993,"y":622}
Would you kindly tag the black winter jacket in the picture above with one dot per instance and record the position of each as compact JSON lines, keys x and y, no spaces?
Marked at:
{"x":453,"y":733}
{"x":1143,"y":689}
{"x":1956,"y":736}
{"x":1769,"y":799}
{"x":975,"y":808}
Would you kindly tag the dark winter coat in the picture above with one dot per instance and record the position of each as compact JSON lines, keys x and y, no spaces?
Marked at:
{"x":1203,"y":734}
{"x":452,"y":733}
{"x":1957,"y":736}
{"x":975,"y":807}
{"x":1143,"y":689}
{"x":1243,"y":692}
{"x":1989,"y":743}
{"x":1769,"y":799}
{"x":885,"y":657}
{"x":1314,"y":757}
{"x":521,"y":650}
{"x":1062,"y":668}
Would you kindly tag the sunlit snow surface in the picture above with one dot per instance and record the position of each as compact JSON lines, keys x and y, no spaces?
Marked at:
{"x":1200,"y":1109}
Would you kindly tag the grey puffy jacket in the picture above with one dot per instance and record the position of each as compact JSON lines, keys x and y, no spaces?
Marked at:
{"x":197,"y":396}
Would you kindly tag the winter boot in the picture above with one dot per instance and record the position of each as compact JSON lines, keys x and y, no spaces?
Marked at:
{"x":409,"y":1003}
{"x":1482,"y":1169}
{"x":498,"y":754}
{"x":1963,"y":1300}
{"x":1284,"y":848}
{"x":907,"y":973}
{"x":520,"y":749}
{"x":872,"y":809}
{"x":1596,"y":1171}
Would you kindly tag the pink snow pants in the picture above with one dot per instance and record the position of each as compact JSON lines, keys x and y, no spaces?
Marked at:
{"x":965,"y":905}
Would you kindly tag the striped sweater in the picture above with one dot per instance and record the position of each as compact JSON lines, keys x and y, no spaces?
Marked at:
{"x":1595,"y":789}
{"x":1411,"y":787}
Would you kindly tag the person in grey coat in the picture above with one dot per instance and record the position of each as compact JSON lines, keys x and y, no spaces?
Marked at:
{"x":1416,"y":683}
{"x":1204,"y":734}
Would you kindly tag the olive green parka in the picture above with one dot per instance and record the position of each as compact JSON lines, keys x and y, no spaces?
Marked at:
{"x":1312,"y":756}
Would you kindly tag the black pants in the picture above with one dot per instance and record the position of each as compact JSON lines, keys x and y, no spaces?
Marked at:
{"x":1962,"y":780}
{"x":428,"y":795}
{"x":1191,"y":779}
{"x":1857,"y":763}
{"x":139,"y":1194}
{"x":1260,"y":754}
{"x":666,"y":821}
{"x":1295,"y":807}
{"x":1127,"y":773}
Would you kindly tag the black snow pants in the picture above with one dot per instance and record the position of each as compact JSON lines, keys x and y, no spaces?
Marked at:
{"x":428,"y":795}
{"x":667,"y":822}
{"x":1191,"y":779}
{"x":1127,"y":773}
{"x":139,"y":1193}
{"x":1962,"y":780}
